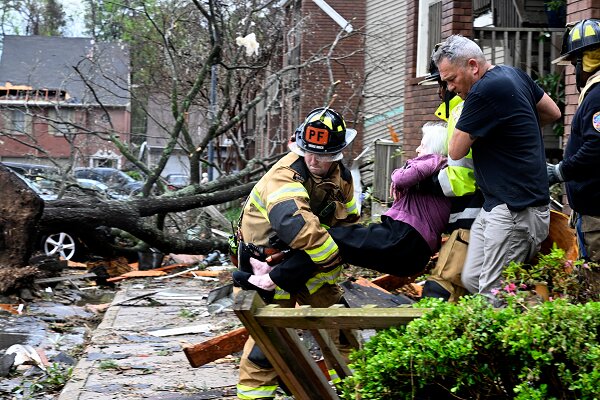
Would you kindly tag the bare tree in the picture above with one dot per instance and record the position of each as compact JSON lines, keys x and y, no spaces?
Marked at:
{"x":189,"y":54}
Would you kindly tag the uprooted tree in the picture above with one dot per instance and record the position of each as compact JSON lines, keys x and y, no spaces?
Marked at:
{"x":185,"y":54}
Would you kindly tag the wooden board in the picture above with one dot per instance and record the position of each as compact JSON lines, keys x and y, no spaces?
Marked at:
{"x":217,"y":347}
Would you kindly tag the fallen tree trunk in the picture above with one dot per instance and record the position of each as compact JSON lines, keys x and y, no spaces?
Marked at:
{"x":20,"y":210}
{"x":86,"y":214}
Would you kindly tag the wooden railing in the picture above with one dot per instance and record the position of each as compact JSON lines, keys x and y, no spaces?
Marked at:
{"x":530,"y":49}
{"x":274,"y":330}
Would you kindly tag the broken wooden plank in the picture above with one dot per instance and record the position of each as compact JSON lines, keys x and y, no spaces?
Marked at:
{"x":216,"y":215}
{"x":13,"y":308}
{"x":137,"y":274}
{"x":336,"y":318}
{"x":217,"y":347}
{"x":392,"y":282}
{"x":232,"y":342}
{"x":331,"y":352}
{"x":174,"y":266}
{"x":286,"y":352}
{"x":73,"y":277}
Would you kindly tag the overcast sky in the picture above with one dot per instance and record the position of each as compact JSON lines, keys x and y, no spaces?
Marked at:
{"x":74,"y":11}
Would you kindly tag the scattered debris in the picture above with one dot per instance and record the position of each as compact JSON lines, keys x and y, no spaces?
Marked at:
{"x":27,"y":355}
{"x":184,"y":330}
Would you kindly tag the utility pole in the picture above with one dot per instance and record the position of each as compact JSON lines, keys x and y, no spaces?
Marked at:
{"x":213,"y":111}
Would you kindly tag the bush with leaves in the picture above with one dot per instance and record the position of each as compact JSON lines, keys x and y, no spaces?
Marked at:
{"x":578,"y":281}
{"x":471,"y":350}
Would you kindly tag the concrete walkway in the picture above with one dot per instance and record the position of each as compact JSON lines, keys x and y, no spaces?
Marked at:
{"x":126,"y":361}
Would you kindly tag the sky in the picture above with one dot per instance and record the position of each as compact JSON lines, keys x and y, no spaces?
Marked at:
{"x":74,"y":11}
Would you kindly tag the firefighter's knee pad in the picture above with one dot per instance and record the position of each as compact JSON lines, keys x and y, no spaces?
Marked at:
{"x":258,"y":357}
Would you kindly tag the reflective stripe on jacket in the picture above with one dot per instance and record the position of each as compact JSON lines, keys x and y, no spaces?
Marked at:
{"x":457,"y":180}
{"x":295,"y":205}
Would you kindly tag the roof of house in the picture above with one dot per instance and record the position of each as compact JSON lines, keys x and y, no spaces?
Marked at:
{"x":52,"y":62}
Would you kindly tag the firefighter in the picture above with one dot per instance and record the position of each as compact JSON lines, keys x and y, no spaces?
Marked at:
{"x":457,"y":182}
{"x":290,"y":206}
{"x":581,"y":161}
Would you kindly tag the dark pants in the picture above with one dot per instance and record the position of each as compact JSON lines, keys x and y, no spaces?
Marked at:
{"x":392,"y":247}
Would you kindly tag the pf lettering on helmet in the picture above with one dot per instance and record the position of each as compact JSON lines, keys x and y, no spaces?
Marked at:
{"x":323,"y":132}
{"x":316,"y":137}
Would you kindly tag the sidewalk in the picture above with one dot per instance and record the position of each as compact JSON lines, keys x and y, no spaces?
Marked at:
{"x":125,"y":361}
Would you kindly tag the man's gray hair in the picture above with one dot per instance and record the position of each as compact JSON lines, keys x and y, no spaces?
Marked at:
{"x":458,"y":50}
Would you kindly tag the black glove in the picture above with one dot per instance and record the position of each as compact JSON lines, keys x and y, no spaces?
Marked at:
{"x":554,"y":173}
{"x":430,"y":185}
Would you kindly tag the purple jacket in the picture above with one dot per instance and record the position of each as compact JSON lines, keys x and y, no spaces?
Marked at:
{"x":427,"y":213}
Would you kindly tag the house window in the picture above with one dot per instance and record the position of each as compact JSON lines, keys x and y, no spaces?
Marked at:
{"x":60,"y":121}
{"x":16,"y":122}
{"x":429,"y":32}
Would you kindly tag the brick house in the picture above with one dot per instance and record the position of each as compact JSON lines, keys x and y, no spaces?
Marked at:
{"x":49,"y":112}
{"x":309,"y":26}
{"x":529,"y":19}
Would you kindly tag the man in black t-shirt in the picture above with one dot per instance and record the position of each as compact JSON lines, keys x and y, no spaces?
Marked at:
{"x":581,"y":164}
{"x":500,"y":122}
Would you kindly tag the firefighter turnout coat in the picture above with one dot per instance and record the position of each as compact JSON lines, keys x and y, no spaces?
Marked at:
{"x":297,"y":207}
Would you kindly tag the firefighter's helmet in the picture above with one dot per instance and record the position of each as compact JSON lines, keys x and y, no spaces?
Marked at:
{"x":434,"y":75}
{"x":323,"y":132}
{"x":583,"y":35}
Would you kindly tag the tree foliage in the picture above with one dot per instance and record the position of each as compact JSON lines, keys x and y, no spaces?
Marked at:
{"x":46,"y":17}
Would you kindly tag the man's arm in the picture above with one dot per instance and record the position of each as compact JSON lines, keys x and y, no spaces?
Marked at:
{"x":460,"y":144}
{"x":547,"y":110}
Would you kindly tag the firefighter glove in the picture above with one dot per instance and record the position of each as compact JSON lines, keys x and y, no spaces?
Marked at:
{"x":554,"y":173}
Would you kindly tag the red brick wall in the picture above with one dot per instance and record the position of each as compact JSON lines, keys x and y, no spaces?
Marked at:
{"x":350,"y":71}
{"x":420,"y":102}
{"x":56,"y":146}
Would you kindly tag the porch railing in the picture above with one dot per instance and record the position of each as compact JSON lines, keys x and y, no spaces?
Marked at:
{"x":530,"y":49}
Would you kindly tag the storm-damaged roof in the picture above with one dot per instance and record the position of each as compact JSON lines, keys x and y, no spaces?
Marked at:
{"x":51,"y":64}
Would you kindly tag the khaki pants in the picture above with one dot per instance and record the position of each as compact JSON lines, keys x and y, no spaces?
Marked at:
{"x":498,"y":237}
{"x":259,"y":381}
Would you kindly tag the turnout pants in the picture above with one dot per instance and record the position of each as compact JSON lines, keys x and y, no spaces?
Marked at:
{"x":257,"y":378}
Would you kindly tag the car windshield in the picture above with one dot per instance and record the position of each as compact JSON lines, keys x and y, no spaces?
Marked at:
{"x":44,"y":193}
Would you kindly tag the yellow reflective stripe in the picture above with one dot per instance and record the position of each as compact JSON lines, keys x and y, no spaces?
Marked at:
{"x":314,"y":283}
{"x":333,"y":376}
{"x":287,"y":191}
{"x":281,"y":294}
{"x":331,"y":277}
{"x":257,"y":202}
{"x":323,"y":252}
{"x":250,"y":393}
{"x":351,"y":206}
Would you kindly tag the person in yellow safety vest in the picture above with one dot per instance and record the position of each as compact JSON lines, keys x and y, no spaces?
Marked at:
{"x":457,"y":182}
{"x":581,"y":161}
{"x":306,"y":191}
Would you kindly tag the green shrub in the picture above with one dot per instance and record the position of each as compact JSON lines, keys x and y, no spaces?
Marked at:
{"x":471,"y":350}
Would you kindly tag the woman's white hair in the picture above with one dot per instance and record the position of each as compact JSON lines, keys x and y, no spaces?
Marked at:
{"x":435,"y":138}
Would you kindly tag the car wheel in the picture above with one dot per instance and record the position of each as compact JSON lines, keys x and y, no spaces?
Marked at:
{"x":62,"y":244}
